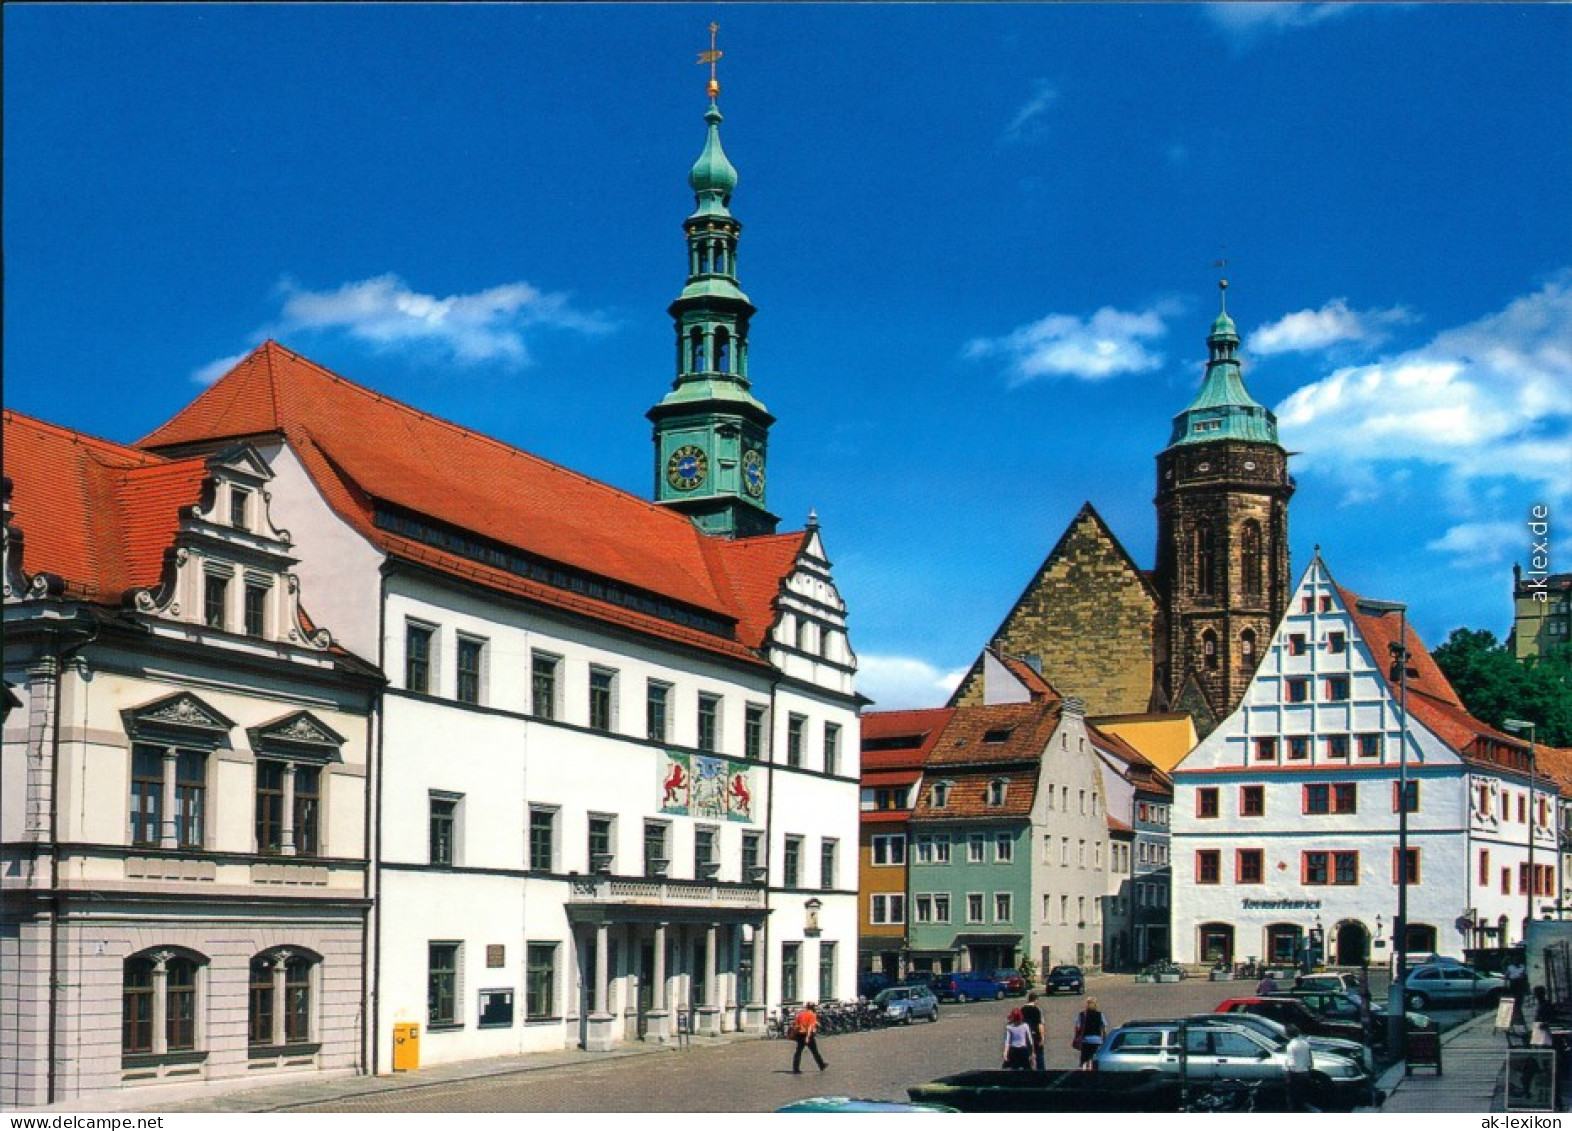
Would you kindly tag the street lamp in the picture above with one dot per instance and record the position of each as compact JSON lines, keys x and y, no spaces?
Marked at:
{"x":1533,"y":813}
{"x":1395,"y":1000}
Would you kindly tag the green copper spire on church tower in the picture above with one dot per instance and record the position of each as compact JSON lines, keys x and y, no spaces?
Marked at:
{"x":1223,"y":409}
{"x":711,"y":433}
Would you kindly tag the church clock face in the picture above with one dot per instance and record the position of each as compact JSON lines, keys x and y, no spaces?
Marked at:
{"x":753,"y":473}
{"x":687,"y":467}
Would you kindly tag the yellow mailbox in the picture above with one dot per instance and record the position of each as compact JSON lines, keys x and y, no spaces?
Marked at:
{"x":406,"y":1046}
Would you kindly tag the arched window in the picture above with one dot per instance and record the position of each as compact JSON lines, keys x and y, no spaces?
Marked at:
{"x":1247,"y":649}
{"x":280,"y":1000}
{"x":1250,"y":558}
{"x":160,"y":1002}
{"x":722,"y":351}
{"x":1205,"y":559}
{"x":696,"y":350}
{"x":1209,"y":650}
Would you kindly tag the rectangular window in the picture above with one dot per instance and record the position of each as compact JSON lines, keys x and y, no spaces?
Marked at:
{"x":602,"y":699}
{"x":190,"y":798}
{"x":1208,"y":866}
{"x":887,"y":910}
{"x":1341,"y":797}
{"x":180,"y":1002}
{"x":1324,"y":604}
{"x":703,"y":852}
{"x":791,"y":863}
{"x":239,"y":509}
{"x":656,"y":698}
{"x":832,"y":748}
{"x":1484,"y":867}
{"x":1297,"y":690}
{"x":752,"y":858}
{"x":467,"y":673}
{"x":542,"y":839}
{"x":794,"y":739}
{"x":1412,"y":792}
{"x":1337,"y":746}
{"x":1340,"y":868}
{"x":1370,"y":746}
{"x":1266,"y":749}
{"x":976,"y":848}
{"x":602,"y":843}
{"x":753,"y":731}
{"x":828,"y":851}
{"x":656,"y":856}
{"x":1313,"y":868}
{"x":974,"y":907}
{"x":1252,"y":800}
{"x":543,"y":685}
{"x":308,"y":810}
{"x":1206,"y":802}
{"x":1336,"y":688}
{"x":256,"y":610}
{"x":1336,"y":643}
{"x":540,"y":981}
{"x":442,"y":966}
{"x":709,"y":722}
{"x":1413,"y":866}
{"x":417,"y":657}
{"x":1299,"y":748}
{"x":1250,"y":866}
{"x":1296,"y":644}
{"x":1307,"y":604}
{"x":147,"y":794}
{"x":922,"y":909}
{"x":270,"y":807}
{"x":215,"y":600}
{"x":444,"y":829}
{"x":1506,"y":881}
{"x":791,"y":969}
{"x":1003,"y":848}
{"x":1003,"y":907}
{"x":889,"y":849}
{"x":826,"y":971}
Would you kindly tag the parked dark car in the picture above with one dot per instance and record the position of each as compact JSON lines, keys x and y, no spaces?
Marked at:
{"x":967,"y":986}
{"x":1292,"y":1011}
{"x":869,"y":984}
{"x":1012,"y":981}
{"x":1066,"y":978}
{"x":1340,"y":1007}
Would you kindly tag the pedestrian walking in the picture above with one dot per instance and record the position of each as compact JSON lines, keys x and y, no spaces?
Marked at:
{"x":1032,"y":1014}
{"x":1017,"y":1042}
{"x":1267,"y":986}
{"x":1090,"y":1028}
{"x":1298,"y":1069}
{"x":805,"y":1030}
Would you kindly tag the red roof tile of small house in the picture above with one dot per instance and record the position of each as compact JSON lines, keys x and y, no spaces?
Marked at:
{"x":1003,"y":732}
{"x":968,"y":794}
{"x":1555,"y":762}
{"x":363,"y":449}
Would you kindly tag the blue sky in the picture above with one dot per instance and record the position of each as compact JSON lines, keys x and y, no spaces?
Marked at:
{"x":981,"y":240}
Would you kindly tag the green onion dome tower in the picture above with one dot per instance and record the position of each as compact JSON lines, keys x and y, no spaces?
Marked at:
{"x":711,"y":433}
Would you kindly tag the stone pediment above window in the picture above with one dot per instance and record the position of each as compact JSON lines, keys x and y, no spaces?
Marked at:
{"x":299,"y":735}
{"x":181,"y":717}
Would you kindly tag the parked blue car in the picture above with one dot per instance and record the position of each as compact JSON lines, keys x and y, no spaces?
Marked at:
{"x":967,"y":987}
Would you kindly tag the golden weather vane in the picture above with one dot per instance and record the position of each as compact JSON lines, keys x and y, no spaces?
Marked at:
{"x":712,"y":56}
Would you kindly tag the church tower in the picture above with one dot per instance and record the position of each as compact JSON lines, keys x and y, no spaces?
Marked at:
{"x":711,"y":433}
{"x":1222,"y":537}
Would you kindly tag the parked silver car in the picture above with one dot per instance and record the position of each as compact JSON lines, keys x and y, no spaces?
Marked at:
{"x":1218,"y":1051}
{"x":903,"y":1004}
{"x":1277,"y":1033}
{"x":1438,"y":985}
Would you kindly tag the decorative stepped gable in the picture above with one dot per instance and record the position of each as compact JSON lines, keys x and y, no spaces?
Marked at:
{"x":1086,"y":622}
{"x":422,"y":489}
{"x":711,"y":433}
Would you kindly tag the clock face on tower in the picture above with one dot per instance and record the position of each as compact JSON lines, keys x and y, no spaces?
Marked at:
{"x":753,"y":473}
{"x":687,"y":467}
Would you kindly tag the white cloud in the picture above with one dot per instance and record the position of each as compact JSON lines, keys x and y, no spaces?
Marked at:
{"x":1105,"y":345}
{"x":1334,"y":323}
{"x":213,"y":370}
{"x":1244,"y":23}
{"x":1488,"y":399}
{"x":1475,"y":542}
{"x":900,"y":682}
{"x":1028,"y":121}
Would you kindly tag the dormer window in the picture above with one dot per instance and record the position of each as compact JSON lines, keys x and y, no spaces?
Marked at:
{"x":239,"y":508}
{"x":995,"y":737}
{"x":996,"y":792}
{"x":939,"y":795}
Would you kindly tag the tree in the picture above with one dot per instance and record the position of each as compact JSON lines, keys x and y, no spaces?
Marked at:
{"x":1495,"y":686}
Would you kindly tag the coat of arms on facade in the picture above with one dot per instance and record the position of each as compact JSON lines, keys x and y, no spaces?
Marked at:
{"x":696,"y":785}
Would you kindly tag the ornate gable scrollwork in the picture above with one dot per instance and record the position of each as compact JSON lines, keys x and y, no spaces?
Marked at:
{"x":297,"y":735}
{"x":181,"y":717}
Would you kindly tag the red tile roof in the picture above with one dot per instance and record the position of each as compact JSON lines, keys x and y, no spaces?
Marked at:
{"x":96,"y":514}
{"x":362,"y":449}
{"x":921,"y":727}
{"x":1555,"y":763}
{"x":1030,"y":677}
{"x":968,"y":796}
{"x":996,"y":733}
